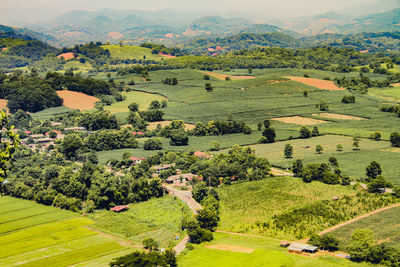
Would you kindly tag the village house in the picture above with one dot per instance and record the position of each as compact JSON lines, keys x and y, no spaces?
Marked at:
{"x":76,"y":129}
{"x":160,"y":168}
{"x":181,"y":179}
{"x":136,"y":160}
{"x":119,"y":208}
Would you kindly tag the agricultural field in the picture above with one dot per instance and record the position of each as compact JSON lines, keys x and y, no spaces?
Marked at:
{"x":241,"y":250}
{"x":50,"y":113}
{"x":37,"y":235}
{"x":77,"y":100}
{"x":351,"y":162}
{"x":131,"y":52}
{"x":385,"y":226}
{"x":141,"y":98}
{"x":157,"y":218}
{"x":245,"y":204}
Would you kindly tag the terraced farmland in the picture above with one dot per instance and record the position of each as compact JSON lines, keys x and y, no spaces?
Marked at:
{"x":37,"y":235}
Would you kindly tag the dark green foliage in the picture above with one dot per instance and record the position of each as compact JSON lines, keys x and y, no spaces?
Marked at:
{"x":200,"y":191}
{"x":179,"y":138}
{"x":152,"y":144}
{"x":21,"y":120}
{"x":146,"y":259}
{"x":220,"y":128}
{"x":152,"y":115}
{"x":98,"y":120}
{"x":377,"y":184}
{"x":315,"y":131}
{"x":70,"y":145}
{"x":151,"y":244}
{"x":170,"y":81}
{"x":298,"y":168}
{"x":269,"y":134}
{"x":305,"y":133}
{"x":325,"y":242}
{"x":376,"y":136}
{"x":373,"y":170}
{"x":208,"y":87}
{"x":207,"y":219}
{"x":349,"y":99}
{"x":288,"y":151}
{"x":395,"y":139}
{"x":110,"y":140}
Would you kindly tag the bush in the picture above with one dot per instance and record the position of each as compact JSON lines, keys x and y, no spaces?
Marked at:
{"x":348,"y":99}
{"x":179,"y":138}
{"x":305,"y":133}
{"x":152,"y":144}
{"x":395,"y":139}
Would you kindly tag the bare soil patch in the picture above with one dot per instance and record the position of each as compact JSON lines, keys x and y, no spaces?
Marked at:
{"x":153,"y":125}
{"x":396,"y":84}
{"x":76,"y":100}
{"x":3,"y":104}
{"x":166,"y":56}
{"x":338,"y":116}
{"x":317,"y":83}
{"x":67,"y":56}
{"x":231,"y":248}
{"x":299,"y":120}
{"x":223,"y":76}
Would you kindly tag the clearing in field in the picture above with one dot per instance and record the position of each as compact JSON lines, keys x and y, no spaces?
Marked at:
{"x":38,"y":235}
{"x":317,"y":83}
{"x":153,"y":125}
{"x":158,"y":218}
{"x":231,"y":248}
{"x":223,"y":76}
{"x":384,"y":224}
{"x":77,"y":100}
{"x":67,"y":56}
{"x":338,"y":116}
{"x":299,"y":120}
{"x":266,"y":252}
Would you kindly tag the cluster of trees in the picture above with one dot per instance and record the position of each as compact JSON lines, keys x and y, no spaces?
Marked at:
{"x":325,"y":173}
{"x":361,"y":84}
{"x":220,"y":128}
{"x":144,"y":259}
{"x":363,"y":247}
{"x":138,"y":118}
{"x":170,"y":81}
{"x":98,"y":120}
{"x":204,"y":223}
{"x":110,"y":140}
{"x":27,"y":92}
{"x":50,"y":180}
{"x":32,"y":50}
{"x":325,"y":242}
{"x":307,"y":133}
{"x":157,"y":48}
{"x":94,"y":51}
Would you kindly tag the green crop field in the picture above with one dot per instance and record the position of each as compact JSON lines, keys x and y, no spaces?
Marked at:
{"x":37,"y":235}
{"x":245,"y":204}
{"x":143,"y":99}
{"x":260,"y":252}
{"x":385,"y":226}
{"x":131,"y":52}
{"x":157,"y":218}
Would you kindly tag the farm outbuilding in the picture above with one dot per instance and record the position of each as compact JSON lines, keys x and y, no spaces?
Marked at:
{"x":119,"y":208}
{"x":299,"y":248}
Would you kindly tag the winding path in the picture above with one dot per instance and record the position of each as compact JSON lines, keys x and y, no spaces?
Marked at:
{"x":185,"y":196}
{"x":358,"y":218}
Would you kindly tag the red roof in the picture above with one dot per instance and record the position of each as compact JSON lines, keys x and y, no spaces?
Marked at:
{"x":138,"y":133}
{"x":218,"y":48}
{"x":119,"y":208}
{"x":201,"y":154}
{"x":28,"y":132}
{"x":135,"y":158}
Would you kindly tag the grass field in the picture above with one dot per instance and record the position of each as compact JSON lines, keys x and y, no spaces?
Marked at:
{"x":131,"y":52}
{"x":157,"y":218}
{"x":245,"y":204}
{"x":351,"y":162}
{"x":37,"y":235}
{"x":49,"y":113}
{"x":141,"y":98}
{"x":385,"y":226}
{"x":266,"y":253}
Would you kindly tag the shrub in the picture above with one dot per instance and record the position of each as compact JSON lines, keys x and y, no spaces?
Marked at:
{"x":376,"y":136}
{"x":348,"y":99}
{"x":305,"y":133}
{"x":152,"y":144}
